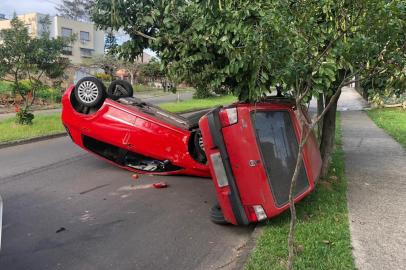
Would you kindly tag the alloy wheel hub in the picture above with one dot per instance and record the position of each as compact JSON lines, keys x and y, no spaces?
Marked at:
{"x":88,"y":92}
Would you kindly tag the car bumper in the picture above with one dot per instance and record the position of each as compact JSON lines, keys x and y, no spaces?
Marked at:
{"x":234,"y":200}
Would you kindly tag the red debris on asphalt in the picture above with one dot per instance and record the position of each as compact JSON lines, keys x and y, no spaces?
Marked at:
{"x":160,"y":185}
{"x":135,"y":176}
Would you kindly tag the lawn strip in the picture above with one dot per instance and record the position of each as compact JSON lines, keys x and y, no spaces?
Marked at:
{"x":322,"y":232}
{"x":392,"y":120}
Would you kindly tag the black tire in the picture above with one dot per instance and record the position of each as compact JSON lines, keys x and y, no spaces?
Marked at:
{"x":200,"y":153}
{"x":216,"y":215}
{"x":120,"y":89}
{"x":90,"y":92}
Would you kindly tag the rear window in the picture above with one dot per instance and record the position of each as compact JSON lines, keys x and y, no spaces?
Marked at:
{"x":278,"y":144}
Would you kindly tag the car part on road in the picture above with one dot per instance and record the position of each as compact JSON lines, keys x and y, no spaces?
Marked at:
{"x":160,"y":185}
{"x":252,"y":151}
{"x":120,"y":89}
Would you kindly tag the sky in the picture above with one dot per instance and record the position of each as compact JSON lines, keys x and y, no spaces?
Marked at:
{"x":8,"y":7}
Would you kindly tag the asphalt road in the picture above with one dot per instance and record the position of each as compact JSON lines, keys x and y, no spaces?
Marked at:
{"x":66,"y":209}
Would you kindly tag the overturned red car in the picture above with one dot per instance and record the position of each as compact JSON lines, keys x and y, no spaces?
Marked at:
{"x":130,"y":133}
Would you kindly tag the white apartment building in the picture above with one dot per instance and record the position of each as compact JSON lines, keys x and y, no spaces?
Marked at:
{"x":89,"y":41}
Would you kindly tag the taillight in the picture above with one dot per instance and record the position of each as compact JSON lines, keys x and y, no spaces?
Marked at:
{"x":259,"y":212}
{"x":229,"y":116}
{"x":219,"y":170}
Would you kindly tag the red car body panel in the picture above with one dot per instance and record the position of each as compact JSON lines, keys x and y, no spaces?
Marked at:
{"x":131,"y":129}
{"x":248,"y":180}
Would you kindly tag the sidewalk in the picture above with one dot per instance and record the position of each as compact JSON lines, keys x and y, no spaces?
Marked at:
{"x":376,"y":173}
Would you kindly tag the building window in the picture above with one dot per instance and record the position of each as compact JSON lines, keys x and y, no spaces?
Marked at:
{"x":67,"y":50}
{"x":84,"y":36}
{"x":86,"y":52}
{"x":66,"y":32}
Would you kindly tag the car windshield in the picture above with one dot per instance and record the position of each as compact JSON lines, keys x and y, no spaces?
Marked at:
{"x":279,"y":148}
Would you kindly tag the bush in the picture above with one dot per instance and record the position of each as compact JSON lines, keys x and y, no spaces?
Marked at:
{"x":24,"y":87}
{"x":103,"y":77}
{"x":387,"y":97}
{"x":202,"y":92}
{"x":49,"y":94}
{"x":23,"y":117}
{"x":43,"y":91}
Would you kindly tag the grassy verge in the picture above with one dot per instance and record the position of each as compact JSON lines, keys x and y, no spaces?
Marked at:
{"x":393,"y":121}
{"x":322,"y":232}
{"x":195,"y":104}
{"x":42,"y":125}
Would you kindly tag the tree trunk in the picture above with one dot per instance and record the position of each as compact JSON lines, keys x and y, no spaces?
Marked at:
{"x":320,"y":108}
{"x":328,"y":135}
{"x":293,"y":217}
{"x":132,"y":78}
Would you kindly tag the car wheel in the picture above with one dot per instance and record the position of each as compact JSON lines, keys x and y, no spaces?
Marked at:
{"x":120,"y":89}
{"x":216,"y":215}
{"x":200,"y":153}
{"x":90,"y":92}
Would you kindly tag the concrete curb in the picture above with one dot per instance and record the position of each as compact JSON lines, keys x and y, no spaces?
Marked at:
{"x":34,"y":139}
{"x":246,"y":250}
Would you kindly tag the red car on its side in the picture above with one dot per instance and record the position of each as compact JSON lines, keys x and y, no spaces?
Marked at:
{"x":252,"y":151}
{"x":130,"y":133}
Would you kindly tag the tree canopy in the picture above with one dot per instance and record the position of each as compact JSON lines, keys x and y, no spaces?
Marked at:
{"x":249,"y":46}
{"x":33,"y":60}
{"x":77,"y":10}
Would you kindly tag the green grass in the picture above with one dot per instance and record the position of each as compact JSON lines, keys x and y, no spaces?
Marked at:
{"x":392,"y":120}
{"x":5,"y":87}
{"x":322,"y":232}
{"x":195,"y":104}
{"x":42,"y":125}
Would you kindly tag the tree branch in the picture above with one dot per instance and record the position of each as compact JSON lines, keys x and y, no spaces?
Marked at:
{"x":138,"y":33}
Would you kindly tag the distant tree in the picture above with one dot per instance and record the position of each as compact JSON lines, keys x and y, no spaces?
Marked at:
{"x":153,"y":70}
{"x":132,"y":67}
{"x":109,"y":63}
{"x":78,"y":10}
{"x":110,"y":43}
{"x":32,"y":61}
